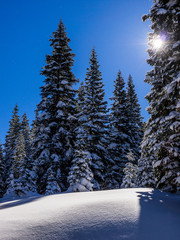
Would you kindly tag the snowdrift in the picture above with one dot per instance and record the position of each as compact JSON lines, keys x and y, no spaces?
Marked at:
{"x":142,"y":214}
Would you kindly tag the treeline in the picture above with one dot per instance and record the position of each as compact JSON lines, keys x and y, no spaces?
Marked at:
{"x":77,"y":144}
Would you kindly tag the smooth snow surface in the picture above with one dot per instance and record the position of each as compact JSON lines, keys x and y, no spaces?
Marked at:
{"x":142,"y":214}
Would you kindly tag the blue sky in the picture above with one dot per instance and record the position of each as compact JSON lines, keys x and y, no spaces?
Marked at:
{"x":113,"y":27}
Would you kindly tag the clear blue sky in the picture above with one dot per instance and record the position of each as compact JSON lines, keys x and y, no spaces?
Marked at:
{"x":113,"y":27}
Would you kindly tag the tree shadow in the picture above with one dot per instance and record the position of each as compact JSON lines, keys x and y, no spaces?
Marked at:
{"x":159,"y":216}
{"x":17,"y":201}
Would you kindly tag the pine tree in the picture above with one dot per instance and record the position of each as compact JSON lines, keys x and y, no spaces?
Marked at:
{"x":10,"y":143}
{"x":93,"y":121}
{"x":2,"y":184}
{"x":54,"y":143}
{"x":135,"y":118}
{"x":80,"y":176}
{"x":130,"y":172}
{"x":29,"y":164}
{"x":163,"y":128}
{"x":26,"y":133}
{"x":119,"y":133}
{"x":16,"y":180}
{"x":146,"y":175}
{"x":33,"y":129}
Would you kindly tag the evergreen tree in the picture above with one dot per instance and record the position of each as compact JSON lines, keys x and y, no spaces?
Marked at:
{"x":119,"y":133}
{"x":33,"y":130}
{"x":16,"y":180}
{"x":10,"y":143}
{"x":29,"y":165}
{"x":1,"y":172}
{"x":163,"y":128}
{"x":130,"y":172}
{"x":134,"y":118}
{"x":26,"y":133}
{"x":92,"y":122}
{"x":146,"y":175}
{"x":54,"y":143}
{"x":80,"y":176}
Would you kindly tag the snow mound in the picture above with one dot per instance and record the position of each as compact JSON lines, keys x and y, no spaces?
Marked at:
{"x":142,"y":214}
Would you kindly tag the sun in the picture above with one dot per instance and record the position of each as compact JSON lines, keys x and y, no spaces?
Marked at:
{"x":157,"y":43}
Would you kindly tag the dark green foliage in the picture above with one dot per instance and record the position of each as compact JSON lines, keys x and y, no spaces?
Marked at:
{"x":134,"y":118}
{"x":10,"y":142}
{"x":92,"y":119}
{"x":120,"y":140}
{"x":54,"y":141}
{"x":161,"y":148}
{"x":2,"y":184}
{"x":80,"y":177}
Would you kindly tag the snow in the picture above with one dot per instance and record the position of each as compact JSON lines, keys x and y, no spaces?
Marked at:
{"x":141,"y":214}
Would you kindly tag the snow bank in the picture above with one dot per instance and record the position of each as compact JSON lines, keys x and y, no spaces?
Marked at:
{"x":142,"y":214}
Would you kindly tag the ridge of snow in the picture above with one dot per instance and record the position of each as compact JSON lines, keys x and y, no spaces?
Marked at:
{"x":134,"y":214}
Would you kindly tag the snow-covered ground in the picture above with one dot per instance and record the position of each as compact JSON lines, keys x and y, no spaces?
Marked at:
{"x":142,"y":214}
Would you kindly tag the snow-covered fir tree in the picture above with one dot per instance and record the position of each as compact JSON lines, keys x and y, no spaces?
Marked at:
{"x":146,"y":174}
{"x":80,"y":177}
{"x":130,"y":172}
{"x":94,"y":118}
{"x":54,"y":143}
{"x":33,"y":129}
{"x":10,"y":143}
{"x":29,"y":165}
{"x":26,"y":133}
{"x":163,"y":128}
{"x":134,"y":118}
{"x":16,"y":180}
{"x":2,"y":184}
{"x":119,"y":134}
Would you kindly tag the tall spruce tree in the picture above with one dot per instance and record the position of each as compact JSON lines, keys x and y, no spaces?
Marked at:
{"x":163,"y":128}
{"x":33,"y":129}
{"x":120,"y":140}
{"x":29,"y":165}
{"x":134,"y":118}
{"x":94,"y":126}
{"x":54,"y":143}
{"x":2,"y":184}
{"x":26,"y":133}
{"x":81,"y":177}
{"x":10,"y":143}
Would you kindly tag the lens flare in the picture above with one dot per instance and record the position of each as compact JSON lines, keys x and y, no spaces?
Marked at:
{"x":157,"y":43}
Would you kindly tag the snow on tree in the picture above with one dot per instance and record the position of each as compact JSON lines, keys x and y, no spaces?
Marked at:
{"x":54,"y":144}
{"x":10,"y":142}
{"x":94,"y":121}
{"x":2,"y":184}
{"x":130,"y":172}
{"x":119,"y":133}
{"x":146,"y":174}
{"x":33,"y":129}
{"x":16,"y":181}
{"x":29,"y":167}
{"x":80,"y":177}
{"x":134,"y":118}
{"x":163,"y":128}
{"x":26,"y":133}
